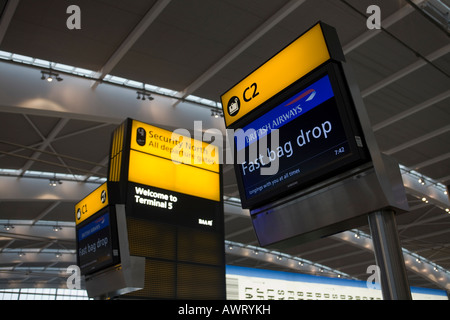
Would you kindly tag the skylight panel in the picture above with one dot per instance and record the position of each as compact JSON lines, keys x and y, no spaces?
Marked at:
{"x":41,"y":63}
{"x":64,"y":67}
{"x":135,"y":84}
{"x":82,"y":71}
{"x":118,"y":80}
{"x":5,"y":55}
{"x":20,"y":58}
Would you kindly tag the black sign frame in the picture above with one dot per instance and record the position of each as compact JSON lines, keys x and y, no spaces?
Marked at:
{"x":113,"y":235}
{"x":359,"y":152}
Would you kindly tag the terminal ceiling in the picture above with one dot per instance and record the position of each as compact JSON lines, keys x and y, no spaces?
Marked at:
{"x":202,"y":48}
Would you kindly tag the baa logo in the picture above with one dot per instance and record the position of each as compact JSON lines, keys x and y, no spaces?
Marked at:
{"x":103,"y":196}
{"x":140,"y":136}
{"x":233,"y":106}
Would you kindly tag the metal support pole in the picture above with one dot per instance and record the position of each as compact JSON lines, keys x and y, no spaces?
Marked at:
{"x":389,"y":256}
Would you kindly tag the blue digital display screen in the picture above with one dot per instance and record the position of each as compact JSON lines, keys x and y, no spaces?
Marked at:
{"x":95,"y":244}
{"x":93,"y":227}
{"x":314,"y":139}
{"x":289,"y":110}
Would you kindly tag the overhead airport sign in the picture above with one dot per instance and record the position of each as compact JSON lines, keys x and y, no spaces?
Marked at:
{"x":313,"y":48}
{"x":318,"y":136}
{"x":298,"y":126}
{"x":96,"y":234}
{"x":163,"y":202}
{"x":173,"y":162}
{"x":91,"y":204}
{"x":171,"y":177}
{"x":97,"y":244}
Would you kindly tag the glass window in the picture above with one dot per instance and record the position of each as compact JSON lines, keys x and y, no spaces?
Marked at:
{"x":43,"y":294}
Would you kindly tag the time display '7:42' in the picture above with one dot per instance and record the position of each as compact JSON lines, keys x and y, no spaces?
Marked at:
{"x":339,"y":151}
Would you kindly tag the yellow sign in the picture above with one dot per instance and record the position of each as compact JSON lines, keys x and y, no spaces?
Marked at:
{"x":175,"y":147}
{"x":116,"y":153}
{"x":173,"y":162}
{"x":166,"y":174}
{"x":91,"y":204}
{"x":300,"y":57}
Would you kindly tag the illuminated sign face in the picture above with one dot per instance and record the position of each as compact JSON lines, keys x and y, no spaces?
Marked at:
{"x":170,"y":178}
{"x":316,"y":139}
{"x":293,"y":62}
{"x":173,"y":162}
{"x":91,"y":204}
{"x":96,"y":246}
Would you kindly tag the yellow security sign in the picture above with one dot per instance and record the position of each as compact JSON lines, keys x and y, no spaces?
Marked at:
{"x":91,"y":204}
{"x":175,"y":162}
{"x":293,"y":62}
{"x":163,"y":173}
{"x":175,"y":147}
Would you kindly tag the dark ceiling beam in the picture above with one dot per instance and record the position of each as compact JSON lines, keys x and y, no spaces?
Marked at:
{"x":45,"y":143}
{"x":386,"y":23}
{"x":131,"y":39}
{"x":410,"y":111}
{"x":5,"y":18}
{"x":405,"y":71}
{"x":422,"y":138}
{"x":241,"y":47}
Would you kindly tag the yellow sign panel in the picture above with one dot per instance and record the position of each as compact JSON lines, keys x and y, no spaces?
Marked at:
{"x":293,"y":62}
{"x":174,"y":147}
{"x":94,"y":202}
{"x":166,"y":174}
{"x":116,"y":153}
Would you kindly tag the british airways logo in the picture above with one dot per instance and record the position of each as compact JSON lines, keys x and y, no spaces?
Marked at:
{"x":311,"y":93}
{"x":292,"y":108}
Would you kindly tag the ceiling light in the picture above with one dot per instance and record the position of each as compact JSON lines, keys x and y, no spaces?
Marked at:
{"x":53,"y":182}
{"x":216,"y":113}
{"x":143,"y":95}
{"x":50,"y":75}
